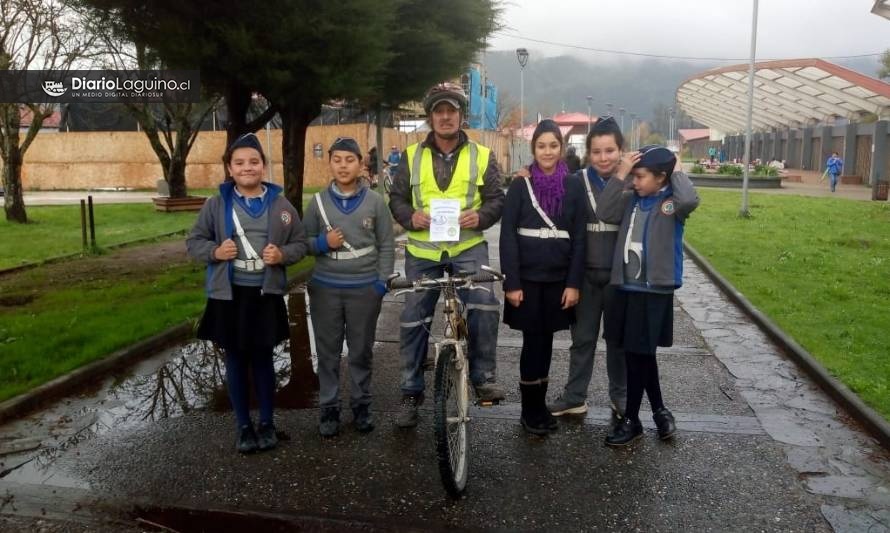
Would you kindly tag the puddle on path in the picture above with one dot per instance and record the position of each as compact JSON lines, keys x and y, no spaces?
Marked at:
{"x":172,"y":383}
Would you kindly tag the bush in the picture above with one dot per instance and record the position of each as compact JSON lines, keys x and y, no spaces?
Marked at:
{"x":697,"y":169}
{"x":730,"y":170}
{"x":765,"y":170}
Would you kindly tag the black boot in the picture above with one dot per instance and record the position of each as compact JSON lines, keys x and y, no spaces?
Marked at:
{"x":552,"y":423}
{"x":665,"y":423}
{"x":625,"y":433}
{"x":532,"y":418}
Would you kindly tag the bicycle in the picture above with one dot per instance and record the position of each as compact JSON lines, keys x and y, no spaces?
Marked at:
{"x":388,"y":173}
{"x":452,"y":378}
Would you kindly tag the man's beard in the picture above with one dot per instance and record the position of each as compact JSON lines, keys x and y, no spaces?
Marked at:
{"x":448,"y":136}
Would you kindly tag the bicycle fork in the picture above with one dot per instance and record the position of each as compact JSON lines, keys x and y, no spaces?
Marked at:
{"x":461,"y":376}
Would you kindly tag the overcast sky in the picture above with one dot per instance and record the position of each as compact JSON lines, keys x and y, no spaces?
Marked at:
{"x":700,"y":28}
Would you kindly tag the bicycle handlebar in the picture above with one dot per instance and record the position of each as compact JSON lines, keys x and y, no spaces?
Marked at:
{"x":457,"y":281}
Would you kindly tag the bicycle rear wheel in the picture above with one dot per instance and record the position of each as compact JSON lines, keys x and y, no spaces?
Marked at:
{"x":451,"y":422}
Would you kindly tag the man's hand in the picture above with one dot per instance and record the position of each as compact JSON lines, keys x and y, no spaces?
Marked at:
{"x":628,"y":160}
{"x":335,"y":238}
{"x":469,"y":219}
{"x":226,"y":251}
{"x":514,"y":298}
{"x":570,"y":297}
{"x":272,"y":255}
{"x":420,"y":220}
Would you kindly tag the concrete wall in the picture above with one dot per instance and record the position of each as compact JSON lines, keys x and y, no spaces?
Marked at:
{"x":89,"y":160}
{"x":809,"y":148}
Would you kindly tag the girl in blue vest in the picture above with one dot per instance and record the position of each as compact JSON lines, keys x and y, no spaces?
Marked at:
{"x":247,"y":235}
{"x":833,"y":167}
{"x":543,"y":237}
{"x":647,"y":268}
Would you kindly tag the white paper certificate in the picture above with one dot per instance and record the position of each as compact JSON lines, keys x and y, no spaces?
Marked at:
{"x":444,"y":214}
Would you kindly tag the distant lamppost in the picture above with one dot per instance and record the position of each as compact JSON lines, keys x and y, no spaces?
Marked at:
{"x":633,"y":138}
{"x":522,"y":57}
{"x":589,"y":112}
{"x":621,"y":115}
{"x":671,"y":125}
{"x":609,"y":110}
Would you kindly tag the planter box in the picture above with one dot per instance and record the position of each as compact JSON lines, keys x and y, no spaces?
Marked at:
{"x":851,"y":180}
{"x":189,"y":203}
{"x":725,"y":181}
{"x":793,"y":178}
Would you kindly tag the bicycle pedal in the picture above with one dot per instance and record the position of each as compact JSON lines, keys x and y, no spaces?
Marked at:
{"x":487,"y":403}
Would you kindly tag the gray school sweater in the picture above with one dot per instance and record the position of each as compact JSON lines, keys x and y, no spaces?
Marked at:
{"x":369,"y":224}
{"x":609,"y":210}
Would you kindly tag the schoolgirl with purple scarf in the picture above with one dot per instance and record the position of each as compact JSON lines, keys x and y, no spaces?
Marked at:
{"x":542,"y":248}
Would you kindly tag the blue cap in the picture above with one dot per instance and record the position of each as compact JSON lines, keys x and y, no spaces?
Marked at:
{"x":605,"y":125}
{"x":248,"y":140}
{"x":346,"y":144}
{"x":655,"y":157}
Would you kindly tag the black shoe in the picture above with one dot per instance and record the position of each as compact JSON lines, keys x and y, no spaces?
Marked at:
{"x":535,"y":427}
{"x":265,"y":437}
{"x":361,"y":417}
{"x":407,"y":415}
{"x":625,"y":433}
{"x":329,"y":424}
{"x":246,"y":441}
{"x":665,"y":423}
{"x":534,"y":417}
{"x":615,"y":419}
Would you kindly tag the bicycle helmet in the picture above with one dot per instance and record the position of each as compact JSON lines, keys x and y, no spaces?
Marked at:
{"x":445,"y":92}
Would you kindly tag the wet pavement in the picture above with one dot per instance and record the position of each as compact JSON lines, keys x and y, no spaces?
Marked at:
{"x":760,"y":448}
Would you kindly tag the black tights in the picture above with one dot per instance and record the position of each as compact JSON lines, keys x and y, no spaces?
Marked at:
{"x":642,"y":375}
{"x":534,"y":360}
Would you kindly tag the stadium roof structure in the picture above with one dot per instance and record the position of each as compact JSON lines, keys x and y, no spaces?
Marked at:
{"x":787,"y":94}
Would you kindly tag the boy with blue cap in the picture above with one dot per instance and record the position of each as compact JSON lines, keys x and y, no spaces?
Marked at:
{"x":350,"y":232}
{"x":647,"y":268}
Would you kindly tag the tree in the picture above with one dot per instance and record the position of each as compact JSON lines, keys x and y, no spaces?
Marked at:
{"x":884,"y":71}
{"x":507,"y":111}
{"x":431,"y":43}
{"x":171,"y":128}
{"x":34,"y":35}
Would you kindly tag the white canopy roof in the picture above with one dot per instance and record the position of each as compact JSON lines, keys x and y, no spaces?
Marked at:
{"x":787,"y":93}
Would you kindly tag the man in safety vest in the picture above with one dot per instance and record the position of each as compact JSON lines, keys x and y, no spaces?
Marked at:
{"x":446,"y":166}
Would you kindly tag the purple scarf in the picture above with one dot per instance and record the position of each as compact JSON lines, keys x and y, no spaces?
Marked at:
{"x":549,"y":190}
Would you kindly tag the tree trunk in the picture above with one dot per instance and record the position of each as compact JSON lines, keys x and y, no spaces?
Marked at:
{"x":13,"y":202}
{"x":176,"y":175}
{"x":295,"y":120}
{"x":381,"y":153}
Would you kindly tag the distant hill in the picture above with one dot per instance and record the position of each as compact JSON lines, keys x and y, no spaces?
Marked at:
{"x":564,"y":82}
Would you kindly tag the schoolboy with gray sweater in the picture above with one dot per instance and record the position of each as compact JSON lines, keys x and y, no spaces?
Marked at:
{"x":346,"y":290}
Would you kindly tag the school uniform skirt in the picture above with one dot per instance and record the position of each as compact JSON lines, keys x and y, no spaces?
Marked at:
{"x":249,"y":320}
{"x":640,"y":321}
{"x":541,"y":308}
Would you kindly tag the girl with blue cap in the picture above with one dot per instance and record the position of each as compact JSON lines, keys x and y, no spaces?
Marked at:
{"x":648,"y":268}
{"x":247,"y":235}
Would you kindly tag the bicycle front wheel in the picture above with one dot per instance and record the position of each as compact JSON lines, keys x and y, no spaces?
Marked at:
{"x":451,"y":422}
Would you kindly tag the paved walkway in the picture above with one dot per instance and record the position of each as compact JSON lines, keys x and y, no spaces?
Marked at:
{"x":760,"y":448}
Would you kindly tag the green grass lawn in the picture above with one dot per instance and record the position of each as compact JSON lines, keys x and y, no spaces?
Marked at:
{"x":55,"y":230}
{"x":819,"y":267}
{"x":59,"y":317}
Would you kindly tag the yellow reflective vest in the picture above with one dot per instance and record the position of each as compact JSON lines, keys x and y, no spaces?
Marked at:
{"x":472,"y":163}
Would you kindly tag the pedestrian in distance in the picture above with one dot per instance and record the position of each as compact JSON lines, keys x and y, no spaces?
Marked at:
{"x":446,"y":167}
{"x":247,"y":234}
{"x":350,"y":232}
{"x":572,"y":160}
{"x":542,"y":245}
{"x":833,"y":167}
{"x":602,"y":186}
{"x":647,"y":269}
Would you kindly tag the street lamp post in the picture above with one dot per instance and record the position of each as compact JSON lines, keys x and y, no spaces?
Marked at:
{"x":671,"y":126}
{"x":621,"y":115}
{"x":609,"y":110}
{"x":589,"y":112}
{"x":743,"y":211}
{"x":522,"y":57}
{"x":633,"y":136}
